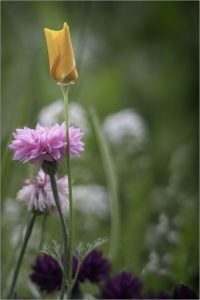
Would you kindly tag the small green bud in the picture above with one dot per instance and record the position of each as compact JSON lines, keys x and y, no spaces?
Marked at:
{"x":50,"y":167}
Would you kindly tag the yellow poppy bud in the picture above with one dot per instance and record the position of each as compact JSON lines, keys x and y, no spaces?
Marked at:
{"x":61,"y":55}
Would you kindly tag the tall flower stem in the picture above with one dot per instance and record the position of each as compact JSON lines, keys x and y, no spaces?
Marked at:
{"x":21,"y":255}
{"x":111,"y":179}
{"x":65,"y":89}
{"x":56,"y":197}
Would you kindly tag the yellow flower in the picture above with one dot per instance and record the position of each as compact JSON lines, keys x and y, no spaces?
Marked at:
{"x":61,"y":55}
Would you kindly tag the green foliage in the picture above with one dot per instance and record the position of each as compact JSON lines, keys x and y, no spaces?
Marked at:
{"x":82,"y":250}
{"x":53,"y":249}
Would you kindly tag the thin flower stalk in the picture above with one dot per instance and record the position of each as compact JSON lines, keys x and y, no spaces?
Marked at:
{"x":65,"y":89}
{"x":111,"y":183}
{"x":21,"y":255}
{"x":56,"y":197}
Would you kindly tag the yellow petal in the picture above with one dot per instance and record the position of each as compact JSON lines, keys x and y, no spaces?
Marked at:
{"x":61,"y":55}
{"x":51,"y":36}
{"x":72,"y":76}
{"x":66,"y":63}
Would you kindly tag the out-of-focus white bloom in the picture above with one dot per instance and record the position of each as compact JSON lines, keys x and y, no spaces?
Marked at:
{"x":165,"y":230}
{"x":54,"y":113}
{"x":37,"y":193}
{"x":156,"y":263}
{"x":77,"y":117}
{"x":11,"y":209}
{"x":90,"y":200}
{"x":172,"y":236}
{"x":126,"y":128}
{"x":153,"y":265}
{"x":163,"y":225}
{"x":51,"y":114}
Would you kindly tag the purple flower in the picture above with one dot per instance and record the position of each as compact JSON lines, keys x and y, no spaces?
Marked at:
{"x":47,"y":274}
{"x":160,"y":295}
{"x":182,"y":291}
{"x":45,"y":143}
{"x":123,"y":286}
{"x":94,"y":267}
{"x":37,"y":193}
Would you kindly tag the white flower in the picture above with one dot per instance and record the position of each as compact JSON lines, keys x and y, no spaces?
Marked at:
{"x":125,"y":128}
{"x":163,"y":225}
{"x":11,"y":209}
{"x":153,"y":265}
{"x":54,"y":113}
{"x":90,"y":200}
{"x":172,"y":236}
{"x":37,"y":193}
{"x":77,"y":117}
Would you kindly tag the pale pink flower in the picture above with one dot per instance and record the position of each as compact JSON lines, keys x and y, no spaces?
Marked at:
{"x":45,"y":143}
{"x":37,"y":193}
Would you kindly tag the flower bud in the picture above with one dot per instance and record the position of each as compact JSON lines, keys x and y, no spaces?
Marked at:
{"x":50,"y":167}
{"x":61,"y":55}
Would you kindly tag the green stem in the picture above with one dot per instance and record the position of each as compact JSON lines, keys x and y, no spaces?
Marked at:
{"x":21,"y":255}
{"x":43,"y":225}
{"x":12,"y":258}
{"x":70,"y":242}
{"x":56,"y":197}
{"x":111,"y":183}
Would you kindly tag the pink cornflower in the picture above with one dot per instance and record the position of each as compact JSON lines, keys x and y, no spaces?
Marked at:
{"x":37,"y":193}
{"x":45,"y":143}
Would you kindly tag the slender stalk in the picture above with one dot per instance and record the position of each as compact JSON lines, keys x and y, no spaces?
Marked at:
{"x":21,"y":255}
{"x":65,"y":90}
{"x":42,"y":234}
{"x":56,"y":197}
{"x":111,"y":183}
{"x":12,"y":258}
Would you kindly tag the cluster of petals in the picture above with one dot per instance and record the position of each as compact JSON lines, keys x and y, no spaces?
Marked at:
{"x":37,"y":193}
{"x":122,"y":286}
{"x":95,"y":268}
{"x":47,"y":273}
{"x":45,"y":143}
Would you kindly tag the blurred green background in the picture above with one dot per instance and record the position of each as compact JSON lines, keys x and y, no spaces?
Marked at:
{"x":140,"y":56}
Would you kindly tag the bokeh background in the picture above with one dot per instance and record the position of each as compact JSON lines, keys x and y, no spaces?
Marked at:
{"x":138,"y":67}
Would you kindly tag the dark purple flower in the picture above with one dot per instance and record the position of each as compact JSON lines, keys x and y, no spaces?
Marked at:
{"x":47,"y":273}
{"x":123,"y":286}
{"x":182,"y":291}
{"x":94,"y":267}
{"x":160,"y":295}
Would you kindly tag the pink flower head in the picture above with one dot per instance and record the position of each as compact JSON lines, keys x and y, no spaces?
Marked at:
{"x":45,"y":143}
{"x":37,"y":193}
